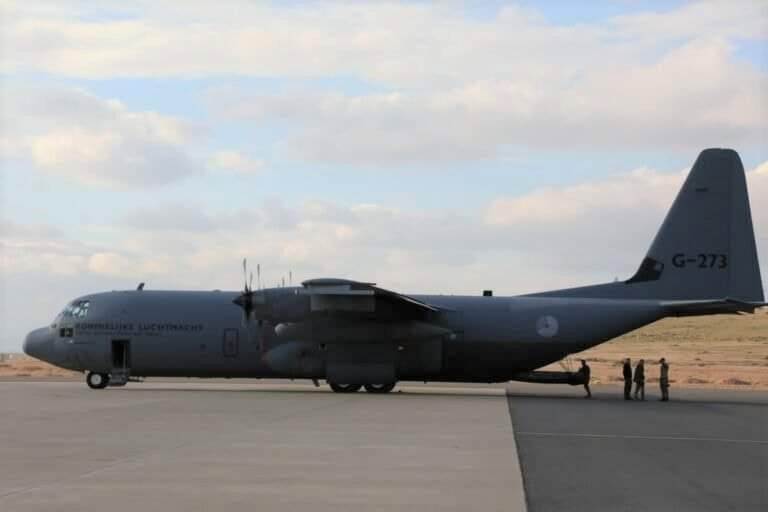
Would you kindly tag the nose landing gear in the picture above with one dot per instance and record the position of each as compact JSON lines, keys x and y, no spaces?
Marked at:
{"x":97,"y":380}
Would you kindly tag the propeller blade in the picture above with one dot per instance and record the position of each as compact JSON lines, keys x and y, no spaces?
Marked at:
{"x":245,"y":301}
{"x":249,"y":300}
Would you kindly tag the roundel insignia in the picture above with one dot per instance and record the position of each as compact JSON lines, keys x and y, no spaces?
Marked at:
{"x":547,"y":326}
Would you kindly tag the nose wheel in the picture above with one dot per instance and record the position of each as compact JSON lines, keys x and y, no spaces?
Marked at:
{"x":97,"y":380}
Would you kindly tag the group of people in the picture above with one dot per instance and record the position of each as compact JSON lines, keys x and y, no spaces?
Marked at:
{"x":638,"y":378}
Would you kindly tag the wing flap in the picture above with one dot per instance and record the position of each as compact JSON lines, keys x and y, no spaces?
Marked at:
{"x":343,"y":295}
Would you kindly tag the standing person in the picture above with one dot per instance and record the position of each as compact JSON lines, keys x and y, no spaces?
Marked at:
{"x":627,"y":371}
{"x":664,"y":380}
{"x":640,"y":379}
{"x":586,"y":371}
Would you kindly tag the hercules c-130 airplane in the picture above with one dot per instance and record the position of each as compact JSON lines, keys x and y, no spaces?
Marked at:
{"x":354,"y":334}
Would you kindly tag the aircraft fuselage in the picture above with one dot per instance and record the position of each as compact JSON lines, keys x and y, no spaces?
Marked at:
{"x":202,"y":334}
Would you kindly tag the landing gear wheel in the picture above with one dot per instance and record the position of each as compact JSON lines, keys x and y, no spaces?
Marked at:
{"x":380,"y":388}
{"x":97,"y":380}
{"x":344,"y":388}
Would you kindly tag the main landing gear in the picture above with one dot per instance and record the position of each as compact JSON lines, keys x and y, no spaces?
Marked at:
{"x":380,"y":388}
{"x":353,"y":388}
{"x":97,"y":380}
{"x":344,"y":388}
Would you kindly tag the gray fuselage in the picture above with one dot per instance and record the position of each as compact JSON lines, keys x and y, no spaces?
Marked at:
{"x":202,"y":334}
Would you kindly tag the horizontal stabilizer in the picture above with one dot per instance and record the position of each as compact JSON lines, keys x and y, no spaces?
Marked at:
{"x":709,"y":307}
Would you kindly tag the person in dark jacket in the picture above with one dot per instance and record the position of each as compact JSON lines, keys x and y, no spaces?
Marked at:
{"x":586,"y":371}
{"x":640,"y":380}
{"x":664,"y":379}
{"x":627,"y":371}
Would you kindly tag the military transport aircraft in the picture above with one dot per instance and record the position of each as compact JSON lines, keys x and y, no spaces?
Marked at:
{"x":354,"y":334}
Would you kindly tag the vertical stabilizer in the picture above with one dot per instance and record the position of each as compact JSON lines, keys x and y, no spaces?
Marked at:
{"x":705,"y":248}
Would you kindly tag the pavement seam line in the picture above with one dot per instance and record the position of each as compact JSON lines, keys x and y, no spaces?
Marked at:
{"x":523,"y":483}
{"x":648,"y":438}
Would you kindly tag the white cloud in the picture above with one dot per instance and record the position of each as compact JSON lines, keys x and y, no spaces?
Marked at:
{"x":391,"y":42}
{"x":456,"y":87}
{"x":75,"y":147}
{"x":234,"y":161}
{"x":614,"y":218}
{"x":110,"y":263}
{"x":94,"y":141}
{"x":172,"y":217}
{"x":637,"y":190}
{"x":691,"y":97}
{"x":743,"y":18}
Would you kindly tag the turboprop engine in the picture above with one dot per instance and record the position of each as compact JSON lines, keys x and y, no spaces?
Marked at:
{"x":295,"y":359}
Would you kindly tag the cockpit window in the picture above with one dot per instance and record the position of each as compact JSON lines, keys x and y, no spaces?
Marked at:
{"x":78,"y":309}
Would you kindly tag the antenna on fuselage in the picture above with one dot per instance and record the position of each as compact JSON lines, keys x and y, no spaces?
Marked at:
{"x":258,"y":275}
{"x":290,"y":278}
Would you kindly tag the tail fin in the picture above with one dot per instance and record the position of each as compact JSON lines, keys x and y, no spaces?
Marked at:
{"x":705,"y":248}
{"x":704,"y":257}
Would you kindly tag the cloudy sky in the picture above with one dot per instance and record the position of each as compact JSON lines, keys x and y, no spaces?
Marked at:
{"x":441,"y":148}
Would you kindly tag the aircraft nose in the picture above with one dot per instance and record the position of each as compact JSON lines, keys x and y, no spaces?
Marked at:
{"x":39,"y":344}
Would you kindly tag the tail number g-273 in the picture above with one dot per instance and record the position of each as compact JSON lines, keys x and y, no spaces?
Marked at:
{"x":682,"y":260}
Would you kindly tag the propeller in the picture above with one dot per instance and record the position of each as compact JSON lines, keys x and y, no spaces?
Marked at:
{"x":245,"y":299}
{"x":251,"y":300}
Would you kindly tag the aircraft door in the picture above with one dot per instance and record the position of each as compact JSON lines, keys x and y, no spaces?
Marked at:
{"x":230,"y":343}
{"x":121,"y":362}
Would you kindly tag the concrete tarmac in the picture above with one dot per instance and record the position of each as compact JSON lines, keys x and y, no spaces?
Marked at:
{"x":201,"y":445}
{"x":706,"y":450}
{"x":207,"y":446}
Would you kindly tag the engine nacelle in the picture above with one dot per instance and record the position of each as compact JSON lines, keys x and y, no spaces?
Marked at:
{"x":295,"y":359}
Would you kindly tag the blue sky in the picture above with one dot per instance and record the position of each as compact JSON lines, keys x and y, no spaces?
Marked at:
{"x":323,"y":137}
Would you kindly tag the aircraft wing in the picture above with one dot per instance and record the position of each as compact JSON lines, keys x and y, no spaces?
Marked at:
{"x":709,"y":307}
{"x":345,"y":296}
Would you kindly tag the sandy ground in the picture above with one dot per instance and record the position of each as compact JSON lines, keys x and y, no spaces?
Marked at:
{"x":723,"y":351}
{"x":20,"y":365}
